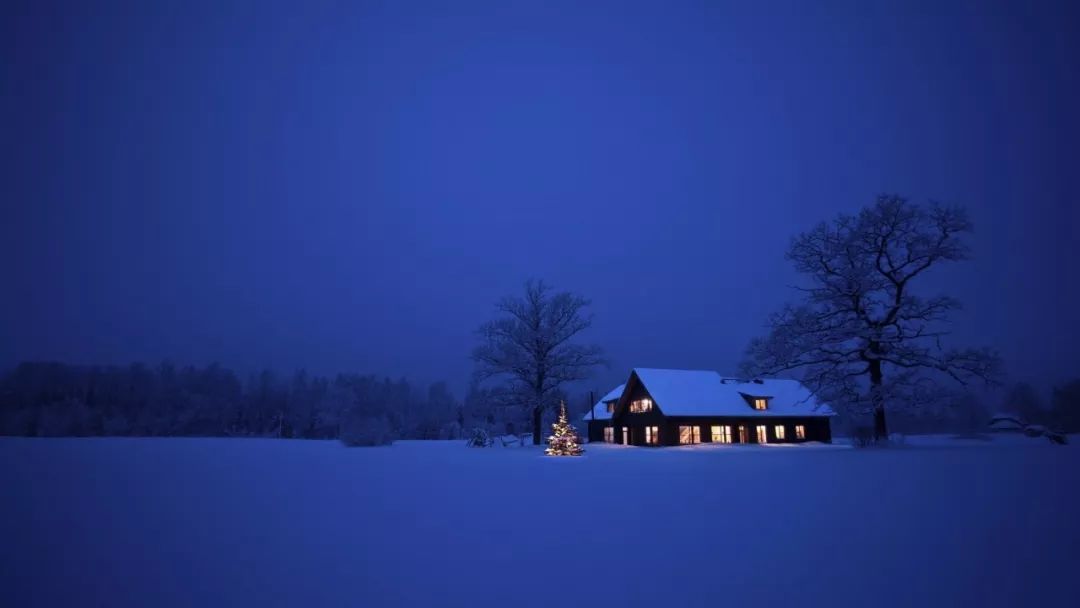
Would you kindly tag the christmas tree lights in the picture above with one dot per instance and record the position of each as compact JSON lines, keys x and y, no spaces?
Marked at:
{"x":564,"y":439}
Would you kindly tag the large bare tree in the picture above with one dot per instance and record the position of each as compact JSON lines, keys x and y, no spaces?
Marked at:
{"x":531,"y":345}
{"x":861,"y":336}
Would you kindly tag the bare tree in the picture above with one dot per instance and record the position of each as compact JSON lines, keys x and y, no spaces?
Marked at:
{"x":530,"y":345}
{"x":860,"y":320}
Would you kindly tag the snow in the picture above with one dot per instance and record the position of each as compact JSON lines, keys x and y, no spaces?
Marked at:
{"x":679,"y":392}
{"x":1006,"y":422}
{"x":599,"y":411}
{"x":230,"y":522}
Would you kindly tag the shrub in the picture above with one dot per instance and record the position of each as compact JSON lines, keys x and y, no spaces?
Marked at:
{"x":479,"y":439}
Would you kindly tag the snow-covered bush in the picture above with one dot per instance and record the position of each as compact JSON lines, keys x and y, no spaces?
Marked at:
{"x":508,"y":441}
{"x":479,"y":438}
{"x":1038,"y":430}
{"x":360,"y":430}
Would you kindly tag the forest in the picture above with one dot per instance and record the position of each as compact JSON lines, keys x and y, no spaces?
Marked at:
{"x":50,"y":399}
{"x":55,"y":399}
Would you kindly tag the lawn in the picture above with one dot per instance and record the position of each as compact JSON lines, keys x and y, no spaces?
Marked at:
{"x":230,"y":522}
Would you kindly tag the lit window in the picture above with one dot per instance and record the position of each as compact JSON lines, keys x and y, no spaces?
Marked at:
{"x":638,"y":406}
{"x":609,"y":435}
{"x":626,"y":435}
{"x":742,"y":435}
{"x":800,"y":431}
{"x":762,"y":436}
{"x":779,"y":431}
{"x":689,"y":434}
{"x":652,"y":435}
{"x":610,"y":406}
{"x":721,"y":434}
{"x":760,"y":403}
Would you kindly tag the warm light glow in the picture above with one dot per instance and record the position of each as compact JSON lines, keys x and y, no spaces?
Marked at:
{"x":721,"y":434}
{"x":563,"y":440}
{"x":652,"y":435}
{"x":760,"y":403}
{"x":609,"y":435}
{"x":610,"y":406}
{"x":638,"y":406}
{"x":742,"y":434}
{"x":625,"y":435}
{"x":800,"y":431}
{"x":689,"y":434}
{"x":779,"y":431}
{"x":762,"y":436}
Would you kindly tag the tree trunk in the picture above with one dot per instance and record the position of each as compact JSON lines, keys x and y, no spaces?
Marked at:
{"x":881,"y":429}
{"x":537,"y":420}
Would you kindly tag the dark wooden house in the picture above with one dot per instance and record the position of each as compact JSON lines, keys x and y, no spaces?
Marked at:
{"x":598,"y":418}
{"x":659,"y":407}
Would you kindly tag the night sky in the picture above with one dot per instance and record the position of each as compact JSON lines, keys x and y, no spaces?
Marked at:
{"x":351,"y":186}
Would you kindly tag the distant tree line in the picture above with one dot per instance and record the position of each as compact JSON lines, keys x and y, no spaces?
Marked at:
{"x":1061,"y":414}
{"x":57,"y":399}
{"x":964,"y":411}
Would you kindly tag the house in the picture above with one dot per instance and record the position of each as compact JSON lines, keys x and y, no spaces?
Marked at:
{"x":598,"y":418}
{"x":672,"y":407}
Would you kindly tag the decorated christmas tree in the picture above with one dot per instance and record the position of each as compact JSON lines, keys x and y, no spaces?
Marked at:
{"x":564,"y":439}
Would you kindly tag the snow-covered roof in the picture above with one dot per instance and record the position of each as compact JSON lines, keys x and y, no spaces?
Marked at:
{"x":599,"y":411}
{"x":1006,"y":422}
{"x":679,"y":392}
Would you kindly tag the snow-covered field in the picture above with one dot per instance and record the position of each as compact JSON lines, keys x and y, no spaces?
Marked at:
{"x":219,"y":522}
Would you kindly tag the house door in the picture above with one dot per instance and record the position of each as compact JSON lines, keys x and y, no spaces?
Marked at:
{"x":626,"y":435}
{"x":742,"y":434}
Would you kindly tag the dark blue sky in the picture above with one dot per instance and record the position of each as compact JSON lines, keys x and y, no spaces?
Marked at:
{"x":350,"y":186}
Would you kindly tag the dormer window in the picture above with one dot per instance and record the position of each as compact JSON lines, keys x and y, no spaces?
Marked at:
{"x":761,"y":403}
{"x":638,"y":406}
{"x":610,"y":406}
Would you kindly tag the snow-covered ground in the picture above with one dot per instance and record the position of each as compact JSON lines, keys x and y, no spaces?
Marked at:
{"x":219,"y":522}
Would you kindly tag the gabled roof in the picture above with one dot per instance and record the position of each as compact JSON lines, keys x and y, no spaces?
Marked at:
{"x":599,"y":411}
{"x":679,"y":392}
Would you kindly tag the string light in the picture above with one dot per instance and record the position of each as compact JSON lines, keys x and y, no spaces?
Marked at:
{"x":564,"y":439}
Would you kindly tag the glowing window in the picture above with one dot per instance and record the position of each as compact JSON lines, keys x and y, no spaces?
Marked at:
{"x":779,"y":431}
{"x":609,"y":435}
{"x":762,"y":436}
{"x":742,"y":434}
{"x":760,"y":403}
{"x":800,"y":431}
{"x":638,"y":406}
{"x":689,"y":434}
{"x":652,"y":435}
{"x":721,"y":434}
{"x":610,"y":406}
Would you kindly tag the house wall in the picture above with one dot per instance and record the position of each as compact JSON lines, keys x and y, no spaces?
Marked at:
{"x":596,"y":429}
{"x":817,"y":428}
{"x":636,"y":423}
